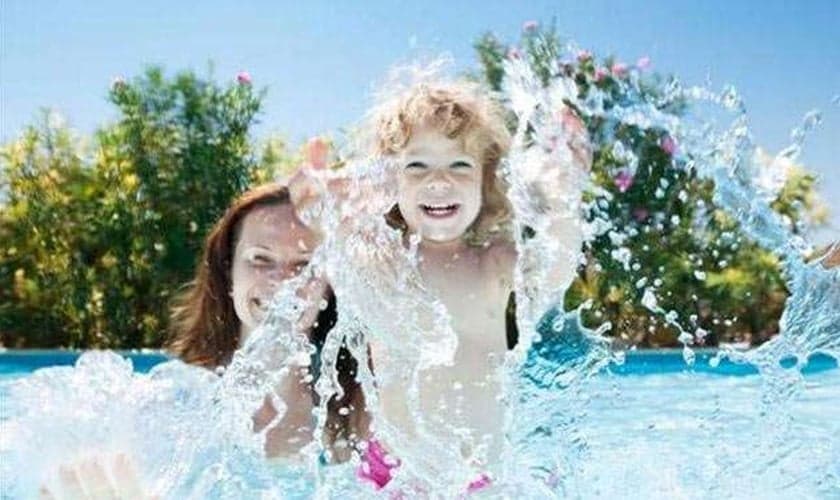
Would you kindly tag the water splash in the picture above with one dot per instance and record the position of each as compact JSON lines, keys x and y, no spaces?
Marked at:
{"x":204,"y":444}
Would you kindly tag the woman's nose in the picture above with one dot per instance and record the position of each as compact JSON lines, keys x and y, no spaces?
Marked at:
{"x":272,"y":284}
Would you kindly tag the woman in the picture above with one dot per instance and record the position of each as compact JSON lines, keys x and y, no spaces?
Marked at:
{"x":257,"y":244}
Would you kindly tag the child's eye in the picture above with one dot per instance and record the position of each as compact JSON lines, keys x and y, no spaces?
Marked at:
{"x":416,"y":164}
{"x":460,"y":164}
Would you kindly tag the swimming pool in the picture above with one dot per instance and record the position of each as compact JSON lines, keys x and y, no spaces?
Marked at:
{"x":650,"y":427}
{"x":19,"y":363}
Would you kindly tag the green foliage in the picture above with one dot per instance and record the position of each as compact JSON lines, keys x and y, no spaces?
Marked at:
{"x":99,"y":234}
{"x":668,"y":238}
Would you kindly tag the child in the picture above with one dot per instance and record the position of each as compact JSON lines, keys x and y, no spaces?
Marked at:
{"x":448,"y":141}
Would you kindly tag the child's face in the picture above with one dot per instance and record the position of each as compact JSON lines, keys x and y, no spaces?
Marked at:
{"x":439,"y":186}
{"x":273,"y":246}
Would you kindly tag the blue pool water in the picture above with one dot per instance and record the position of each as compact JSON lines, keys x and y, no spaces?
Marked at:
{"x":652,"y":424}
{"x":14,"y":364}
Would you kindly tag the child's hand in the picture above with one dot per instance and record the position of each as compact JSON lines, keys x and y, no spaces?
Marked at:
{"x":97,"y":478}
{"x":316,"y":151}
{"x":303,"y":185}
{"x":577,"y":138}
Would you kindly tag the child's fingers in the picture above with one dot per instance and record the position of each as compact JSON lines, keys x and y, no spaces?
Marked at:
{"x":571,"y":121}
{"x":125,"y":477}
{"x":577,"y":137}
{"x":582,"y":153}
{"x":317,"y":150}
{"x":302,"y":188}
{"x":70,"y":484}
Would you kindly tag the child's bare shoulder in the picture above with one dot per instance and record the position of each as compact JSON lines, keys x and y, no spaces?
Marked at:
{"x":498,"y":254}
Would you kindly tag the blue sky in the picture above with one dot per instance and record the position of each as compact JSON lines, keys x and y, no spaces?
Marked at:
{"x":320,"y":60}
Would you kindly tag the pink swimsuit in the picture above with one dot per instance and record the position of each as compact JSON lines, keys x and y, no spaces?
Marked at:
{"x":376,"y":467}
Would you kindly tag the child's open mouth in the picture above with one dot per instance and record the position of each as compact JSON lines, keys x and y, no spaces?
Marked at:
{"x":440,"y":211}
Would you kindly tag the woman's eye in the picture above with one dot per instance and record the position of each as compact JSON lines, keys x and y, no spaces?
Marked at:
{"x":261,"y":260}
{"x":295,"y":268}
{"x":460,"y":164}
{"x":416,"y":165}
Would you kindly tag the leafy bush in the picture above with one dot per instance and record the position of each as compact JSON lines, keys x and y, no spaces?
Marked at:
{"x":99,"y":234}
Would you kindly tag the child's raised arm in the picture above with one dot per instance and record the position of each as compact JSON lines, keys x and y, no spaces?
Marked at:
{"x":554,"y":174}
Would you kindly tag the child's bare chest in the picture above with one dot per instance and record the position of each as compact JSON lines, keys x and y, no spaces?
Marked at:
{"x":475,"y":298}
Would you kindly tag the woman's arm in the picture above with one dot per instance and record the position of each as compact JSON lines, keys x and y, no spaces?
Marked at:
{"x":288,"y":435}
{"x":96,"y":478}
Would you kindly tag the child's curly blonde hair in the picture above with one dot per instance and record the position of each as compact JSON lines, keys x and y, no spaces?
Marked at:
{"x":461,"y":110}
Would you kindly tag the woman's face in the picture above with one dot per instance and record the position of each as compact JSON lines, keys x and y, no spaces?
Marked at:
{"x":273,"y":246}
{"x":439,"y":186}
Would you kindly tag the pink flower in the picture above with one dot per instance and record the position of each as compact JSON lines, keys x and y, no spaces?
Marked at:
{"x":643,"y":63}
{"x":529,"y":26}
{"x":669,"y":145}
{"x":640,"y":214}
{"x":244,"y":78}
{"x":623,"y":180}
{"x":600,"y":74}
{"x":514,"y":53}
{"x":584,"y":55}
{"x":316,"y":152}
{"x":619,"y":69}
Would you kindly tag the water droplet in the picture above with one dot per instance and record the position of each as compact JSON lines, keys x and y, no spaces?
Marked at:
{"x":649,"y":300}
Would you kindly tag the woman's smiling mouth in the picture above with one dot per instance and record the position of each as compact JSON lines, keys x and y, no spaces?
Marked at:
{"x":440,"y":210}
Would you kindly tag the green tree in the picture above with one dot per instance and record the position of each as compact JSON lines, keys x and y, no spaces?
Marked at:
{"x":99,"y":234}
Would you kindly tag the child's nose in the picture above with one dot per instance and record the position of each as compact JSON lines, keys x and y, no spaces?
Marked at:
{"x":438,"y":185}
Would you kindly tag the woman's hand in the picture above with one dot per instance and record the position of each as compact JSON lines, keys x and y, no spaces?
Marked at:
{"x":102,"y":477}
{"x":314,"y":293}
